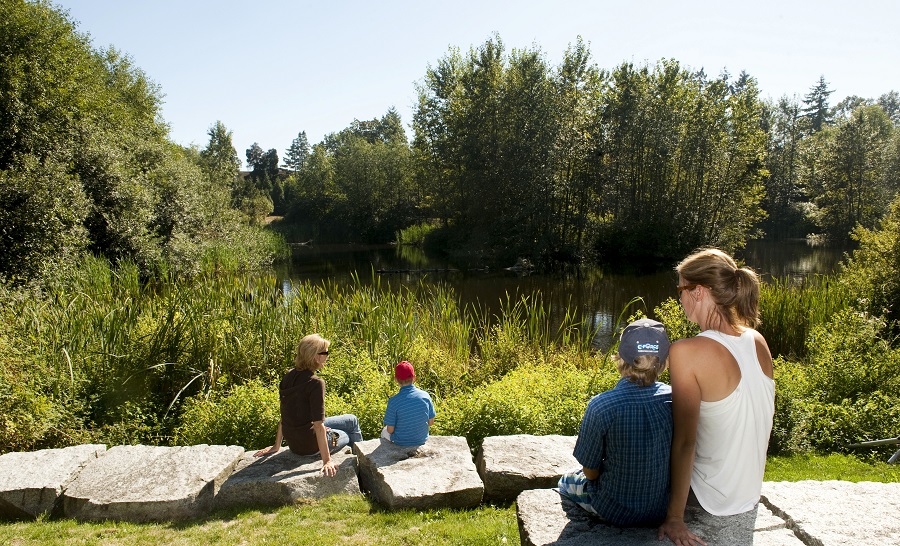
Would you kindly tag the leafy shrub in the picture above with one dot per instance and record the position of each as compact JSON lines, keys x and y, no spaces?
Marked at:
{"x":247,"y":415}
{"x":534,"y":400}
{"x":873,"y":270}
{"x":791,"y":415}
{"x":838,"y":395}
{"x":363,"y":390}
{"x":27,"y":417}
{"x":833,"y":427}
{"x":671,"y":314}
{"x":849,"y":359}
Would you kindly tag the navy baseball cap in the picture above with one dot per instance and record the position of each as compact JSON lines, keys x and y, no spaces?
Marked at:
{"x":644,"y":337}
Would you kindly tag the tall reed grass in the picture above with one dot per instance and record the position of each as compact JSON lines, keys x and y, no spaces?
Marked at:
{"x":415,"y":234}
{"x":117,"y":356}
{"x":790,"y":310}
{"x":101,"y":354}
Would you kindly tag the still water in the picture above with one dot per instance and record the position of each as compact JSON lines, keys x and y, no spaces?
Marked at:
{"x":599,"y":296}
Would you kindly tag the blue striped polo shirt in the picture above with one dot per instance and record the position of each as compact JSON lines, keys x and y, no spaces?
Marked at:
{"x":408,"y":412}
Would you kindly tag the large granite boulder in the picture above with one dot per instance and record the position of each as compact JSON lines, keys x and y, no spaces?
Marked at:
{"x":149,"y":483}
{"x":511,"y":464}
{"x":546,"y":518}
{"x":438,"y":474}
{"x":284,"y":477}
{"x":31,"y":482}
{"x":829,"y":513}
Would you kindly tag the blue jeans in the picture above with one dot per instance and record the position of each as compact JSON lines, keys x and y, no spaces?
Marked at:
{"x":347,"y":428}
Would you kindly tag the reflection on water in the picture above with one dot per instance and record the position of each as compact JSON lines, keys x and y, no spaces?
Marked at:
{"x":793,"y":259}
{"x":602,"y":298}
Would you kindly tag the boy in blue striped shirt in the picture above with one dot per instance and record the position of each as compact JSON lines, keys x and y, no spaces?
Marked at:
{"x":410,"y":412}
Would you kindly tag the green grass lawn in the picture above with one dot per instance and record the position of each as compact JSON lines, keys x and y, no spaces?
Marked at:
{"x":355,"y":520}
{"x":829,"y":467}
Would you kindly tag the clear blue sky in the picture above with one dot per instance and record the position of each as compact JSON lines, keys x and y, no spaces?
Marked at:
{"x":269,"y":69}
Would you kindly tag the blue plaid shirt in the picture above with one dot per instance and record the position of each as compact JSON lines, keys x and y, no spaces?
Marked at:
{"x":626,"y":434}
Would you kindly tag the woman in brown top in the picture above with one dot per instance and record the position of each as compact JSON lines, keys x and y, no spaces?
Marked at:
{"x":303,"y":423}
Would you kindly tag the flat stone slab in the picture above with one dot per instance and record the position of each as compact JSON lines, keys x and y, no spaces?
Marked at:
{"x":831,"y":513}
{"x":150,"y":483}
{"x":546,"y":518}
{"x":438,"y":474}
{"x":282,"y":478}
{"x":511,"y":464}
{"x":32,"y":482}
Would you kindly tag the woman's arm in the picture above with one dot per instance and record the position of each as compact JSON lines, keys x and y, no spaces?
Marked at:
{"x":685,"y":414}
{"x":328,"y":467}
{"x":274,"y":448}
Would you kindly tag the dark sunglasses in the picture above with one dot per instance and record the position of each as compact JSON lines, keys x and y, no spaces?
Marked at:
{"x":685,"y":287}
{"x":323,"y":353}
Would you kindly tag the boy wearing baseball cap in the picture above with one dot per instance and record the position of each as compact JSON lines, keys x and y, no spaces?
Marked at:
{"x":409,"y":412}
{"x":626,"y":435}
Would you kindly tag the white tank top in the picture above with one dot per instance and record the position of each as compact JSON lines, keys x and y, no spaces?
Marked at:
{"x":733,"y":435}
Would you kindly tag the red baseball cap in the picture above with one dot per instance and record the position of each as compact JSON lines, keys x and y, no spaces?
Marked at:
{"x":404,"y":371}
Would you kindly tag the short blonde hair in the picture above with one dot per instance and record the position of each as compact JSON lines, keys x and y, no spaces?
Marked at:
{"x":644,"y":371}
{"x":307,"y":349}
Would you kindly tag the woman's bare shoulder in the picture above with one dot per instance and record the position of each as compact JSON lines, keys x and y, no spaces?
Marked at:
{"x":698,"y":349}
{"x":693,"y":344}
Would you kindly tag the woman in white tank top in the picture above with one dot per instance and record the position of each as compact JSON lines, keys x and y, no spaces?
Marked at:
{"x":723,"y":395}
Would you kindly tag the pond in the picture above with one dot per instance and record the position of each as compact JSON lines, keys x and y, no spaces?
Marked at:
{"x":599,"y":296}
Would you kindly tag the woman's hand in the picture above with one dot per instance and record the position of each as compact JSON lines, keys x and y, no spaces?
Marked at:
{"x":266,"y":451}
{"x":676,"y":530}
{"x":329,"y":469}
{"x":274,"y":448}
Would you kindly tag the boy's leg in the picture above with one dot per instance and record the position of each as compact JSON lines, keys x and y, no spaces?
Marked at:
{"x":347,"y":423}
{"x":573,"y":485}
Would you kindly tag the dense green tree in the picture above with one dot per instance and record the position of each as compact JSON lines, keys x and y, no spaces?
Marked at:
{"x":356,"y":184}
{"x":644,"y":164}
{"x":41,"y":217}
{"x":873,"y":272}
{"x":816,"y":110}
{"x":85,"y":163}
{"x":682,"y":162}
{"x":389,"y":128}
{"x":846,"y":107}
{"x":890,"y":103}
{"x":260,"y":192}
{"x":435,"y":137}
{"x":219,"y":159}
{"x":577,"y":155}
{"x":784,"y":197}
{"x":298,"y":153}
{"x":310,"y":194}
{"x":254,"y":155}
{"x":852,"y":184}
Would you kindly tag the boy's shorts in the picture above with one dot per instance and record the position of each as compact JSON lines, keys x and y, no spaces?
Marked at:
{"x":573,"y":485}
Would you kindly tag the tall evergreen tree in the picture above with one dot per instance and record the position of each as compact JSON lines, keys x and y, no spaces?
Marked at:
{"x":298,"y":153}
{"x":219,"y":159}
{"x":816,"y":110}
